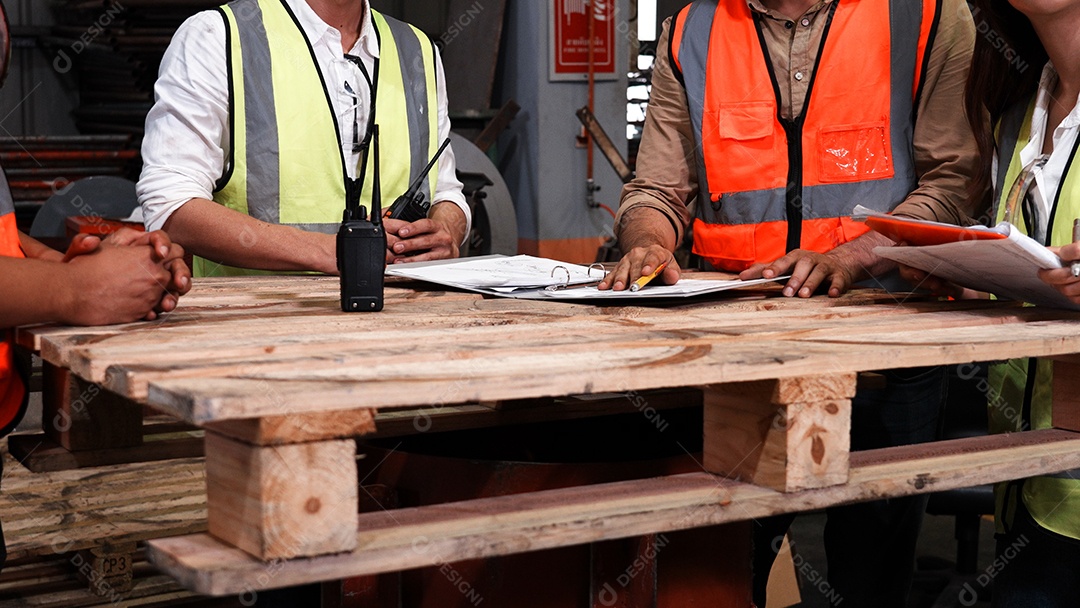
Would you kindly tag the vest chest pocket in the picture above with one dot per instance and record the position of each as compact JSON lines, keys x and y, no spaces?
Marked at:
{"x":741,"y":147}
{"x":852,"y":153}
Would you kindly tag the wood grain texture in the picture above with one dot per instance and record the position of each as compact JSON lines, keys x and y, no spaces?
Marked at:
{"x":280,"y":430}
{"x":409,"y":538}
{"x":789,"y":435}
{"x":278,"y":346}
{"x":49,"y":513}
{"x":284,"y":501}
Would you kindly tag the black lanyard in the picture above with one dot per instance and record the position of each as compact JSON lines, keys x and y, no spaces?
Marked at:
{"x":356,"y":186}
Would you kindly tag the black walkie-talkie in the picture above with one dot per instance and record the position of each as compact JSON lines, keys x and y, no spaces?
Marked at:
{"x":361,"y":248}
{"x":413,"y":205}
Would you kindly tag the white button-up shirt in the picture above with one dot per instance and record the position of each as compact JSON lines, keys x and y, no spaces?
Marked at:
{"x":1048,"y":178}
{"x":187,"y":131}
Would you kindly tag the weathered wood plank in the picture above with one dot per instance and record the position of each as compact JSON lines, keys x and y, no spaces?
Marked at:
{"x":410,"y":538}
{"x":499,"y":373}
{"x":49,"y":513}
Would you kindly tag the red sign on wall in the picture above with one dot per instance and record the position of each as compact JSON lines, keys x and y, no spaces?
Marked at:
{"x":569,"y":39}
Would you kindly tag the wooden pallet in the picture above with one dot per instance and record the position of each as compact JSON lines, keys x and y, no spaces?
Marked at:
{"x":282,"y":381}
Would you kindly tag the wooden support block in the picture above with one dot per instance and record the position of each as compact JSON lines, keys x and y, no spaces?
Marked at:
{"x":81,"y":415}
{"x":282,"y":501}
{"x":789,"y":435}
{"x":107,"y":569}
{"x":1066,"y":394}
{"x":298,"y":428}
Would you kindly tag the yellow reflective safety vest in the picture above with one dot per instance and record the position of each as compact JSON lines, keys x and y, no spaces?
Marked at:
{"x":286,"y":164}
{"x":1021,"y":390}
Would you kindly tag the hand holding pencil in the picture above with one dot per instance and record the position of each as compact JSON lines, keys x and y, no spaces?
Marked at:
{"x":641,"y":266}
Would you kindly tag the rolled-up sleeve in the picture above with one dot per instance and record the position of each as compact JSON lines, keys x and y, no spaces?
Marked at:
{"x":946,"y":155}
{"x":666,"y":176}
{"x":447,"y":185}
{"x":185,"y":145}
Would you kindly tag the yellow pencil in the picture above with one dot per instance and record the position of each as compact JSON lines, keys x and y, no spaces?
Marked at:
{"x":643,"y":281}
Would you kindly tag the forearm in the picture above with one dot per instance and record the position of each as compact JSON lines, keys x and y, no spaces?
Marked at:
{"x":645,"y":227}
{"x":212,"y":231}
{"x":666,"y":174}
{"x":35,"y":291}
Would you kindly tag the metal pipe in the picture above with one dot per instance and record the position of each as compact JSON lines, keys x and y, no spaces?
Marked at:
{"x":590,"y":182}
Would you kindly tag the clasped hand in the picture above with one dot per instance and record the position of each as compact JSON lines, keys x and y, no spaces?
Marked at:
{"x":128,"y":275}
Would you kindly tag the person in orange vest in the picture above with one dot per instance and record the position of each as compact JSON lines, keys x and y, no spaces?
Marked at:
{"x":126,"y":277}
{"x":779,"y":117}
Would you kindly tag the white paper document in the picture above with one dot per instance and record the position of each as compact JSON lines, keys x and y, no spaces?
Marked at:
{"x":528,"y":277}
{"x":1007,"y":268}
{"x":683,"y":289}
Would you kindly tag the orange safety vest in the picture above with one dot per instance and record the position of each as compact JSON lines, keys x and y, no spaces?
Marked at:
{"x":12,"y":386}
{"x":769,"y":185}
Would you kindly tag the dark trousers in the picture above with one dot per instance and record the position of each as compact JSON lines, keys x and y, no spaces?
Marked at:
{"x":3,"y":545}
{"x":1034,"y":568}
{"x":870,"y":547}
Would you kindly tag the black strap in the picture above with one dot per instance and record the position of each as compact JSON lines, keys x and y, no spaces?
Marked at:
{"x":354,"y":187}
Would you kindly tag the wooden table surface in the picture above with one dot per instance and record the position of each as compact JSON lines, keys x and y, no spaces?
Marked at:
{"x":277,"y":355}
{"x":252,"y":347}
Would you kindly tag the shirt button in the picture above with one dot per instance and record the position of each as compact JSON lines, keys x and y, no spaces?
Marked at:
{"x":789,"y":24}
{"x":798,"y":76}
{"x":805,"y":22}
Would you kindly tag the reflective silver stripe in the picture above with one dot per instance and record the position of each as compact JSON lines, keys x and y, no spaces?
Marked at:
{"x":751,"y":207}
{"x":1008,"y":134}
{"x":693,"y":57}
{"x":7,"y":204}
{"x":260,"y":113}
{"x":824,"y":201}
{"x":905,"y":24}
{"x":414,"y":77}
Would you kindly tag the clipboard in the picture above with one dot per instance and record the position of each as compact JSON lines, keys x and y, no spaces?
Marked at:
{"x":921,"y":233}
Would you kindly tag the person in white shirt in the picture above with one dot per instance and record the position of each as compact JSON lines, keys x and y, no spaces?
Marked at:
{"x":1027,"y":124}
{"x":260,"y":132}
